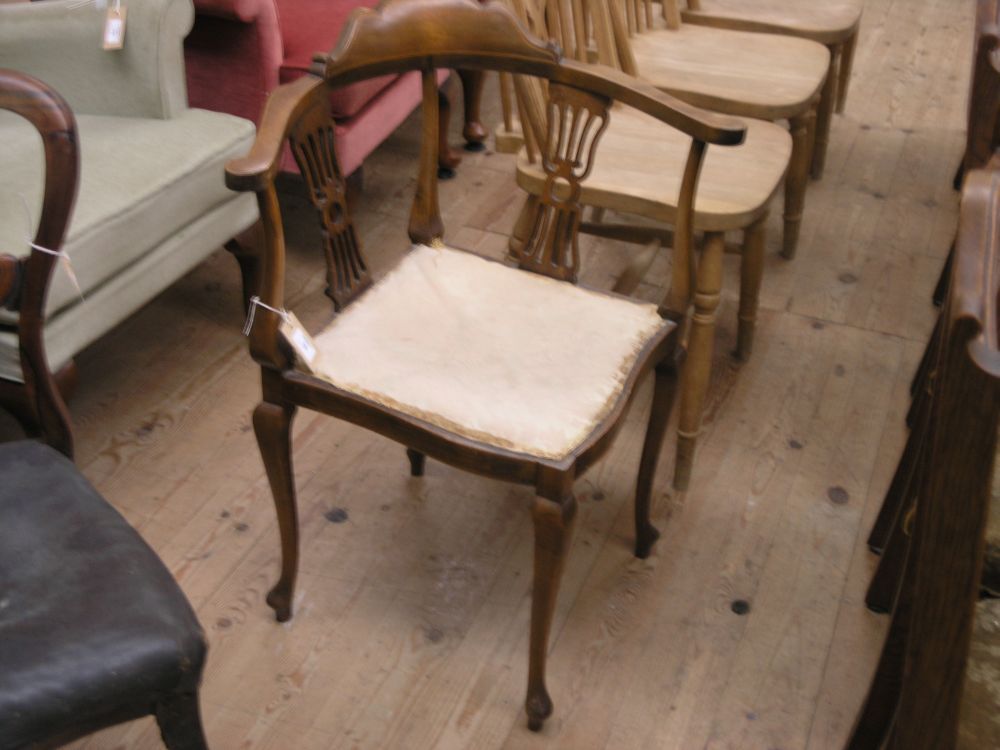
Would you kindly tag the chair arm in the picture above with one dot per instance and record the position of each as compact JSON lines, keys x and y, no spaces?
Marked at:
{"x":62,"y":45}
{"x":256,"y":170}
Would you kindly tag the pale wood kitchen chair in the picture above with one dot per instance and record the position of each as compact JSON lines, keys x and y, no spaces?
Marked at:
{"x":764,"y":76}
{"x":833,"y":23}
{"x":639,"y":172}
{"x":511,"y":372}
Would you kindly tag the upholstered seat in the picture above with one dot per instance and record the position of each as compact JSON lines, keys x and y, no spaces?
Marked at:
{"x":507,"y":336}
{"x":92,"y":625}
{"x":140,"y":179}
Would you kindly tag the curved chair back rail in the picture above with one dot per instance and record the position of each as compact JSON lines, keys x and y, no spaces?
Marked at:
{"x":50,"y":115}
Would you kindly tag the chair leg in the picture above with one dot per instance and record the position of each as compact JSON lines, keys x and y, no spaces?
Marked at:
{"x":472,"y":94}
{"x":796,"y":181}
{"x":895,"y":496}
{"x":553,"y":522}
{"x":751,"y":272}
{"x":448,"y":159}
{"x":272,"y":424}
{"x":698,"y":369}
{"x":944,"y":280}
{"x":416,"y":462}
{"x":885,"y":583}
{"x":179,"y":719}
{"x":844,"y":73}
{"x":927,"y":360}
{"x":875,"y":719}
{"x":522,"y":226}
{"x":246,"y":249}
{"x":664,"y":390}
{"x":824,"y":116}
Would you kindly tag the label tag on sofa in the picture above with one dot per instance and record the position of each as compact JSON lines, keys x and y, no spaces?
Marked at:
{"x":299,"y":339}
{"x":114,"y":27}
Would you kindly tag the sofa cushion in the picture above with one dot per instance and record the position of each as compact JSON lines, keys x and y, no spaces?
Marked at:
{"x":311,"y":26}
{"x":141,"y":180}
{"x":90,"y":620}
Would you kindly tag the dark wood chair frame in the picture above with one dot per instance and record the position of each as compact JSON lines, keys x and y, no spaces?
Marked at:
{"x":39,"y":402}
{"x":407,"y":35}
{"x":914,"y":700}
{"x":23,"y":284}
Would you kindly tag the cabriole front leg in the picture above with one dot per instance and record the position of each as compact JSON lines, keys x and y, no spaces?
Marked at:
{"x":664,"y":390}
{"x":272,"y":424}
{"x":553,"y":527}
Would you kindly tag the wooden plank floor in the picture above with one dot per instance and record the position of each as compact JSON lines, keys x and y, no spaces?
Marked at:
{"x":413,"y":601}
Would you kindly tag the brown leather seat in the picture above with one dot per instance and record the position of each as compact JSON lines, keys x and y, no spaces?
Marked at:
{"x":93,"y":628}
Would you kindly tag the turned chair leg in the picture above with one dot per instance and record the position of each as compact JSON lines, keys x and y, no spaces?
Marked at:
{"x":448,"y":159}
{"x":272,"y":424}
{"x":417,"y":460}
{"x":751,"y":273}
{"x":664,"y":390}
{"x":796,"y":181}
{"x":844,"y":73}
{"x":824,"y":117}
{"x":472,"y":94}
{"x":522,"y":226}
{"x":553,"y":522}
{"x":246,"y":249}
{"x":179,"y":719}
{"x":698,"y":368}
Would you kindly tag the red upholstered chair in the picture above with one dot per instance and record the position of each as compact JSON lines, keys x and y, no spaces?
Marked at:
{"x":239,"y":50}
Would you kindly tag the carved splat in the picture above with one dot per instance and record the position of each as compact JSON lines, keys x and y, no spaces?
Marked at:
{"x":312,"y":144}
{"x":575,"y":123}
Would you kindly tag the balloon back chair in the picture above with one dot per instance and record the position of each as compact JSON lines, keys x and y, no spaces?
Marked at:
{"x":547,"y":367}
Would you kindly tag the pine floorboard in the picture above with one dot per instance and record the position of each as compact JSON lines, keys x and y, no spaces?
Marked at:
{"x":413,"y":604}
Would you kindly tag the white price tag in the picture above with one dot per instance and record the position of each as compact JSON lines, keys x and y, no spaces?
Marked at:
{"x":114,"y":28}
{"x":299,"y":339}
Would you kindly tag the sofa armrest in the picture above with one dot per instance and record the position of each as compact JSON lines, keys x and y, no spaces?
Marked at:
{"x":246,"y":11}
{"x":62,"y":45}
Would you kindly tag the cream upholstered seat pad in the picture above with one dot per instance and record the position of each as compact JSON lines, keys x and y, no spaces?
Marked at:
{"x":503,"y":356}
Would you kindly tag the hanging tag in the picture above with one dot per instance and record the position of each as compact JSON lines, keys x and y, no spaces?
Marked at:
{"x":299,"y":339}
{"x":114,"y":27}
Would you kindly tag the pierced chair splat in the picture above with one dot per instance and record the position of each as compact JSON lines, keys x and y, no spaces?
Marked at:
{"x":508,"y":331}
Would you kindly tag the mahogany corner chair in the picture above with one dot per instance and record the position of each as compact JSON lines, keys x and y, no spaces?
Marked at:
{"x":514,"y":326}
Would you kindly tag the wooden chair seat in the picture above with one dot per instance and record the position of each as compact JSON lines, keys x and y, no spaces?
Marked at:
{"x":827,"y":22}
{"x":640,"y":167}
{"x":504,"y":333}
{"x":751,"y":75}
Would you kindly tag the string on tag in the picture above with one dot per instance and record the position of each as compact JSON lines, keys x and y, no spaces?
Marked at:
{"x":254,"y":304}
{"x":65,"y":262}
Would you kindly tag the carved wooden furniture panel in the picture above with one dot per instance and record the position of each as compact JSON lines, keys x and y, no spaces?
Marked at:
{"x":914,"y":699}
{"x":410,"y":35}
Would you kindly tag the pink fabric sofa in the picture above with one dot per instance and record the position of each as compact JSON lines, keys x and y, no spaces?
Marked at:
{"x":239,"y":50}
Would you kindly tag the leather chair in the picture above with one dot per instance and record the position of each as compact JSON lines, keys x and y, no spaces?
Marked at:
{"x":93,"y":629}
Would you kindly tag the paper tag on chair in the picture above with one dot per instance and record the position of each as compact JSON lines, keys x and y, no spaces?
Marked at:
{"x":299,"y":339}
{"x":114,"y":27}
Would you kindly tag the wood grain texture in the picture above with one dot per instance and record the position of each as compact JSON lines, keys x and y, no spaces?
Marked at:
{"x":411,"y":630}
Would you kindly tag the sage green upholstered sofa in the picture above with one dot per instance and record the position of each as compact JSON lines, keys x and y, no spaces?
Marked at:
{"x":152,"y":201}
